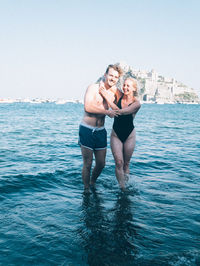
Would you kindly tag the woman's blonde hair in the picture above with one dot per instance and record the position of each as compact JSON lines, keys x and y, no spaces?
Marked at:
{"x":135,"y":85}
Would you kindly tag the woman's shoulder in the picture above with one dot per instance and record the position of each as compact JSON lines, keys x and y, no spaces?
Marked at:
{"x":136,"y":102}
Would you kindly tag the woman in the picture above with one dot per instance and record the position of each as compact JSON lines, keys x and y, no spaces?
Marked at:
{"x":123,"y":135}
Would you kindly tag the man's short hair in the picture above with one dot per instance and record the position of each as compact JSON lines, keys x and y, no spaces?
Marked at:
{"x":116,"y":67}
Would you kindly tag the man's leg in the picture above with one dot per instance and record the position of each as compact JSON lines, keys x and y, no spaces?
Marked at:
{"x":100,"y":156}
{"x":87,"y":155}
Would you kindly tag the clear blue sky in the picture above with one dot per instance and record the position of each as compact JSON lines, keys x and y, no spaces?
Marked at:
{"x":55,"y":49}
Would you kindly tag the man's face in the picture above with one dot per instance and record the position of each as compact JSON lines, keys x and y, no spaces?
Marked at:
{"x":111,"y":77}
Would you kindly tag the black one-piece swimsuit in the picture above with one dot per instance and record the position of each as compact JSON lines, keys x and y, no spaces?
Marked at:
{"x":123,"y":124}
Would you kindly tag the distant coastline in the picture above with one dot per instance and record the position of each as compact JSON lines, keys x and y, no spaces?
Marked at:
{"x":63,"y":101}
{"x":39,"y":100}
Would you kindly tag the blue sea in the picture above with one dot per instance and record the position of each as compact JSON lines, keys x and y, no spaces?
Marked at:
{"x":46,"y":219}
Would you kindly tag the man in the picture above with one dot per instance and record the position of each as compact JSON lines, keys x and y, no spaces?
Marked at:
{"x":92,"y":134}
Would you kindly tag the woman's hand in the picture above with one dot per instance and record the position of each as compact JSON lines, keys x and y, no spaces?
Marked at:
{"x":108,"y":95}
{"x":103,"y":91}
{"x":112,"y":113}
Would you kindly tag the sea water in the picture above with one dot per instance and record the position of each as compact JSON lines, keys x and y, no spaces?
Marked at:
{"x":46,"y":219}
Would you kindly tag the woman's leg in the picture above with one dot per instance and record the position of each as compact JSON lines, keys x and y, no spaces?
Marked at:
{"x":129,"y":146}
{"x":117,"y":151}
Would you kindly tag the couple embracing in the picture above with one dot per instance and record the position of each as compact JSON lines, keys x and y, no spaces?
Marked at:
{"x":101,"y":99}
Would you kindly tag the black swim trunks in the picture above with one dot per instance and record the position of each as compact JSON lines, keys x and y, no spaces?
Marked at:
{"x":93,"y":138}
{"x":123,"y":124}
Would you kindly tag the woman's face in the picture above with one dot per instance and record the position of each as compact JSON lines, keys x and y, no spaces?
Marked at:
{"x":129,"y":87}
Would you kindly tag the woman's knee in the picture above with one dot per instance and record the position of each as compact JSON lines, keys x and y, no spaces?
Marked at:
{"x":119,"y":163}
{"x":126,"y":164}
{"x":126,"y":167}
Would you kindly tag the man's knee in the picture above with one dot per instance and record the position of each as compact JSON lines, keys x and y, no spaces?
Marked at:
{"x":87,"y":164}
{"x":100,"y":164}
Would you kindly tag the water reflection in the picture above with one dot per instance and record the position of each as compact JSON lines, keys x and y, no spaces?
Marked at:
{"x":107,"y":235}
{"x":123,"y":231}
{"x":94,"y":232}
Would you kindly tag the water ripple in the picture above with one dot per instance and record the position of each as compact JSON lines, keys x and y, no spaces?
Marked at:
{"x":46,"y":219}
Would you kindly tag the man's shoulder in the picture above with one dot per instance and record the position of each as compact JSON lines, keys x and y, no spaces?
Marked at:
{"x":93,"y":86}
{"x":92,"y":90}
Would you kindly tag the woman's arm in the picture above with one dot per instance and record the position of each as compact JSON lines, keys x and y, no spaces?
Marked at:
{"x":131,"y":109}
{"x":110,"y":99}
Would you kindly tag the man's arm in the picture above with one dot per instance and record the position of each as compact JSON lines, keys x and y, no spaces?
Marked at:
{"x":91,"y":103}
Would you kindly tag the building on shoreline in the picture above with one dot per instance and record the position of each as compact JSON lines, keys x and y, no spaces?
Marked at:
{"x":155,"y":88}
